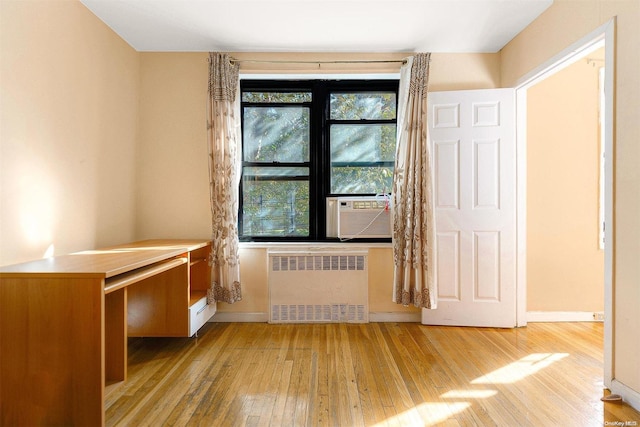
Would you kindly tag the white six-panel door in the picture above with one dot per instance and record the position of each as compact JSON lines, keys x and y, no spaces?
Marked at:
{"x":472,"y":136}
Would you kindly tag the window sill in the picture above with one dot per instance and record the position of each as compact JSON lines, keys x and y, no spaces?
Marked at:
{"x":314,"y":245}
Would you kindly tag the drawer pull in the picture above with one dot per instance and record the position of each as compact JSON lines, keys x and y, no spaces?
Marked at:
{"x":202,"y":309}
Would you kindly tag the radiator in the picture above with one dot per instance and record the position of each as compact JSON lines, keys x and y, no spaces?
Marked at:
{"x":318,"y":286}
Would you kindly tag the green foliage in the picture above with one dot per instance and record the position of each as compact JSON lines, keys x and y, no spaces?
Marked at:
{"x":363,"y":142}
{"x":361,"y":180}
{"x":276,"y":97}
{"x":276,"y":134}
{"x":275,"y":208}
{"x":363,"y":106}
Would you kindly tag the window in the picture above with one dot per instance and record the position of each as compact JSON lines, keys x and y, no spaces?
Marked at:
{"x":304,"y":141}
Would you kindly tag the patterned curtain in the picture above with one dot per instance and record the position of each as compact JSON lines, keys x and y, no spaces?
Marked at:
{"x":223,"y":140}
{"x":413,"y":214}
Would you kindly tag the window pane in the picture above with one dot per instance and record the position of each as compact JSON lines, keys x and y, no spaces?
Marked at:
{"x":275,"y":203}
{"x":275,"y":97}
{"x":363,"y":143}
{"x":361,"y":180}
{"x":276,"y":134}
{"x":352,"y":147}
{"x":363,"y":106}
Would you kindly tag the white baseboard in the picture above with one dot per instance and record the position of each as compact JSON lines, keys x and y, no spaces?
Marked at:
{"x":629,"y":395}
{"x":532,"y":316}
{"x":395,"y":317}
{"x":226,"y":317}
{"x":260,"y":317}
{"x":561,"y":316}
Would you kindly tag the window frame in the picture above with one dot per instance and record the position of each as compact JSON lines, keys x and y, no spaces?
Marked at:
{"x":319,"y":145}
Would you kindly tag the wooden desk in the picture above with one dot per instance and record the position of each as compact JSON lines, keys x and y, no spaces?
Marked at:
{"x":64,"y":323}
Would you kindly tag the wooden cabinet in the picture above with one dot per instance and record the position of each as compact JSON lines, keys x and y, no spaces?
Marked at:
{"x":178,"y":310}
{"x":64,"y":323}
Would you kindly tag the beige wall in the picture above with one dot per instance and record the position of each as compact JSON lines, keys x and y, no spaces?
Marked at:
{"x":68,"y":129}
{"x":563,"y":255}
{"x":173,"y":175}
{"x":172,"y":152}
{"x":564,"y":23}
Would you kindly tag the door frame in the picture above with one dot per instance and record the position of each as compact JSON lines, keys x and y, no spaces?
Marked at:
{"x":603,"y":35}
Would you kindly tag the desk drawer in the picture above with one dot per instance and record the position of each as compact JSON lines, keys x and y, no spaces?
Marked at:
{"x":199,"y":313}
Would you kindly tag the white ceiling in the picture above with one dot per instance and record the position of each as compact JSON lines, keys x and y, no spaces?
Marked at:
{"x":318,"y":25}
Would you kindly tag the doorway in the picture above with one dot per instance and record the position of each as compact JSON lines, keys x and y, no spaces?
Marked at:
{"x":565,"y":245}
{"x":601,"y":38}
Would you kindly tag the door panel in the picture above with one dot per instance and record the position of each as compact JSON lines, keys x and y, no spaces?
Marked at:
{"x":472,"y":135}
{"x":448,"y":265}
{"x":447,"y":172}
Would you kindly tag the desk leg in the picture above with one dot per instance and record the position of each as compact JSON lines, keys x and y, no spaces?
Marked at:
{"x":116,"y":335}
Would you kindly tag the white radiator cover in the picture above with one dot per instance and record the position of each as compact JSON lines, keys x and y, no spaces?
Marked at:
{"x":318,"y":286}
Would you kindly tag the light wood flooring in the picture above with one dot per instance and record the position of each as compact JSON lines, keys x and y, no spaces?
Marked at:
{"x":376,"y":374}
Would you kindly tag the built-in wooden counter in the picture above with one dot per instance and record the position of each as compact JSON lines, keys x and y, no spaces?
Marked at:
{"x":64,"y":323}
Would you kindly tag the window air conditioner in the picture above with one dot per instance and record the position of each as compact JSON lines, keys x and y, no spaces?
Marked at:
{"x":359,"y":217}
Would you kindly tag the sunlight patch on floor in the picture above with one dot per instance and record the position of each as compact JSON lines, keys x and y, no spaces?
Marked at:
{"x":520,"y":369}
{"x":469,"y":394}
{"x":432,"y":413}
{"x":425,"y":414}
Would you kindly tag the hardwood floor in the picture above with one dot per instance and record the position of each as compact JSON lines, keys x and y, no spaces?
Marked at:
{"x":376,"y":374}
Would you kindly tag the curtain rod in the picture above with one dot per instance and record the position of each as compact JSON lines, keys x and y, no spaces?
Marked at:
{"x":363,"y":61}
